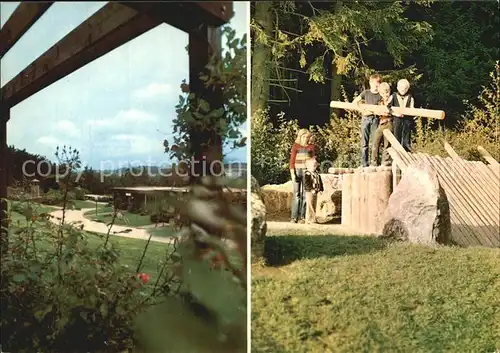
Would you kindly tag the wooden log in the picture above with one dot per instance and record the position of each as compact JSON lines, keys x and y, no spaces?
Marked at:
{"x":476,"y":196}
{"x":384,"y":191}
{"x":21,"y":20}
{"x":472,"y":221}
{"x":493,"y":164}
{"x":364,"y":226}
{"x":397,"y":159}
{"x":356,"y":198}
{"x":487,"y":177}
{"x":396,"y":175}
{"x":379,"y":110}
{"x":460,"y":231}
{"x":450,"y":150}
{"x":478,"y":184}
{"x":346,"y":212}
{"x":371,"y":208}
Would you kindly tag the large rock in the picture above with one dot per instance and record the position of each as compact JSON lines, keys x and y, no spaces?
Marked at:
{"x":329,"y":202}
{"x":418,"y":209}
{"x":258,"y":223}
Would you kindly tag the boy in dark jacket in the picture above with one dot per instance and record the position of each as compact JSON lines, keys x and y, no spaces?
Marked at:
{"x":312,"y":185}
{"x":402,"y":124}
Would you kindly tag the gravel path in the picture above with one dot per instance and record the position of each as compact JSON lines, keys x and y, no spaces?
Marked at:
{"x":77,"y":218}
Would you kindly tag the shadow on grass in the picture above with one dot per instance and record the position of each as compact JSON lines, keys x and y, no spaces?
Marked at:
{"x":282,"y":250}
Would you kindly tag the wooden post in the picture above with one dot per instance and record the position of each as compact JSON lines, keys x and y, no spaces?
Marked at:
{"x":206,"y":147}
{"x":384,"y":191}
{"x":363,"y":217}
{"x":355,"y":218}
{"x":347,"y":184}
{"x":371,"y":206}
{"x":4,"y":237}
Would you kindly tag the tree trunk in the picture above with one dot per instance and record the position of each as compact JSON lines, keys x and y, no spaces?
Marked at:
{"x":336,"y":78}
{"x":261,"y":56}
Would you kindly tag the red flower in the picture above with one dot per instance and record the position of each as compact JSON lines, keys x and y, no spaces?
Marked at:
{"x":144,"y":277}
{"x":33,"y":218}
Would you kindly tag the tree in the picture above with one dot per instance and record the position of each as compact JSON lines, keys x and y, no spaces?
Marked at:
{"x":337,"y":40}
{"x":456,"y":64}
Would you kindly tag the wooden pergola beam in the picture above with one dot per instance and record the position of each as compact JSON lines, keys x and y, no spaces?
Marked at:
{"x":21,"y":20}
{"x":110,"y":27}
{"x":186,"y":16}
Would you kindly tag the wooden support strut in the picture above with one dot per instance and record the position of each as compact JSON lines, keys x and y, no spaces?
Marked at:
{"x":204,"y":43}
{"x":21,"y":20}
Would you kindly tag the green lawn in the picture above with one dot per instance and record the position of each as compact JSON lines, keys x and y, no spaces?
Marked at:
{"x":130,"y":249}
{"x":130,"y":219}
{"x":360,"y":294}
{"x":167,"y":231}
{"x":36,"y":208}
{"x":85,"y":204}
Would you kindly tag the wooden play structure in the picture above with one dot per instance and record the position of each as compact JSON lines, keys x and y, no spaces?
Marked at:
{"x":113,"y":25}
{"x":365,"y":194}
{"x":378,"y":109}
{"x":472,"y":189}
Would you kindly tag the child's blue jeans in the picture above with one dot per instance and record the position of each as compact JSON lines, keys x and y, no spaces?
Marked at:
{"x":299,"y":196}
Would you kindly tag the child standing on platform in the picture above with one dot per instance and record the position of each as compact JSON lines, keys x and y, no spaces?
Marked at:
{"x":302,"y":151}
{"x":384,"y":124}
{"x":312,"y":185}
{"x":369,"y":121}
{"x":402,"y":123}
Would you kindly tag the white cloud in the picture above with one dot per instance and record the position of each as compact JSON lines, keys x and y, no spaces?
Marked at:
{"x":153,"y":90}
{"x":124,"y":120}
{"x":48,"y":141}
{"x":138,"y":144}
{"x":67,"y":127}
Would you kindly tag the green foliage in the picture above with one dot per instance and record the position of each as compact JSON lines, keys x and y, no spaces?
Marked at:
{"x":337,"y":145}
{"x":478,"y":127}
{"x":61,"y":293}
{"x":271,"y":146}
{"x":352,"y":36}
{"x":194,"y":114}
{"x":456,"y":63}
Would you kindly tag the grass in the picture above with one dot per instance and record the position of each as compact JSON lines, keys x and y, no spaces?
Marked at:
{"x":166,"y":231}
{"x":130,"y":249}
{"x":360,"y":294}
{"x":81,"y":204}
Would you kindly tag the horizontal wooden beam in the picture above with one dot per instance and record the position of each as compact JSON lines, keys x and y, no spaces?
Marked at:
{"x":21,"y":20}
{"x":110,"y":27}
{"x":187,"y":16}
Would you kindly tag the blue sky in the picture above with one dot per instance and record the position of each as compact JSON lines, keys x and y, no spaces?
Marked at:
{"x":115,"y":110}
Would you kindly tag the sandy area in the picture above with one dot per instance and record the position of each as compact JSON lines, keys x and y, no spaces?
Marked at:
{"x":77,"y":218}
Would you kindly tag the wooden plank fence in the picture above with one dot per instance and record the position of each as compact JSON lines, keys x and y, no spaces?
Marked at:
{"x":472,"y":189}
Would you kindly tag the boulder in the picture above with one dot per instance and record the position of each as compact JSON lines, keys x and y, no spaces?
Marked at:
{"x":418,"y":209}
{"x":329,"y":202}
{"x":258,"y":223}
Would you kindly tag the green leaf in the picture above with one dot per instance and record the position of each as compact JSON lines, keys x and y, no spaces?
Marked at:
{"x":103,"y":309}
{"x":19,"y":277}
{"x":40,"y":315}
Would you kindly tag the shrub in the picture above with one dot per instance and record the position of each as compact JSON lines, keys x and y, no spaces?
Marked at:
{"x":60,"y":293}
{"x":479,"y":126}
{"x":337,"y":145}
{"x":80,"y":193}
